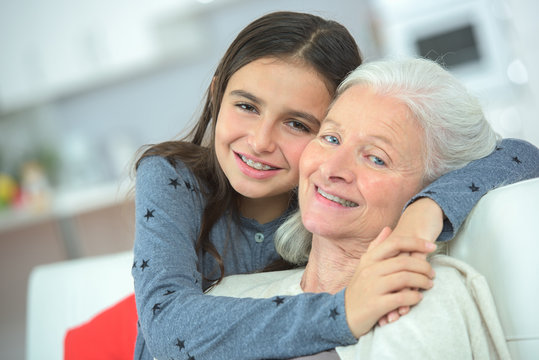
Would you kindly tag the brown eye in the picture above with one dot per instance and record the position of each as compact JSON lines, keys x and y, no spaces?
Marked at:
{"x":247,"y":107}
{"x":298,"y":126}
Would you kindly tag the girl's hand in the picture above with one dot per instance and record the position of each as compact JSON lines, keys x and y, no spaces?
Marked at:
{"x":422,"y":219}
{"x":384,"y":281}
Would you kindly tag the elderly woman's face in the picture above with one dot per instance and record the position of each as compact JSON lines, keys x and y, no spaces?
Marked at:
{"x":364,"y":165}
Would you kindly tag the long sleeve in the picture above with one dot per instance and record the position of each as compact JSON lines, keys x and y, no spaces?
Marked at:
{"x":177,"y":320}
{"x":456,"y":319}
{"x":458,"y":191}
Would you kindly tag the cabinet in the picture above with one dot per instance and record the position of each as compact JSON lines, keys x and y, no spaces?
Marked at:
{"x":64,"y":47}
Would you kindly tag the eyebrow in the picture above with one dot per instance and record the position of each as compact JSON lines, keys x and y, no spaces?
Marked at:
{"x":301,"y":114}
{"x":381,"y":138}
{"x":247,"y":95}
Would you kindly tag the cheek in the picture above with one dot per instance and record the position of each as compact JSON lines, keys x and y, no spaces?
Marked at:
{"x":220,"y":128}
{"x":294,"y":150}
{"x":310,"y":160}
{"x":387,"y":197}
{"x":227,"y":129}
{"x":381,"y":194}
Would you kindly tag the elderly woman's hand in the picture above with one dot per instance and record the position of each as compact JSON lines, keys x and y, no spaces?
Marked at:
{"x":383,"y":281}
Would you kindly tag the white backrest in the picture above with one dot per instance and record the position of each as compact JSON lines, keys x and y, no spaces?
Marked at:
{"x":500,"y":239}
{"x":66,"y":294}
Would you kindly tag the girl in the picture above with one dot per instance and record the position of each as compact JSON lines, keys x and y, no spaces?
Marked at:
{"x":208,"y":206}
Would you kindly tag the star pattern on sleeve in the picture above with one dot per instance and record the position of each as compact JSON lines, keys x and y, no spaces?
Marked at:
{"x":144,"y":264}
{"x":174,"y":182}
{"x":190,"y":357}
{"x":430,"y":192}
{"x":134,"y":265}
{"x":149,"y":214}
{"x":516,"y":160}
{"x":180,"y":344}
{"x":169,"y":292}
{"x":278,"y":300}
{"x":189,"y":186}
{"x":473,"y":188}
{"x":333,"y":313}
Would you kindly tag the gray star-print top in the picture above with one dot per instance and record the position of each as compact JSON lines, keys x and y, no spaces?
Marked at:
{"x":178,"y":321}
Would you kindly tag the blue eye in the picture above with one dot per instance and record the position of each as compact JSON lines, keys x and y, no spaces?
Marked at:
{"x":331,"y":139}
{"x":376,"y":160}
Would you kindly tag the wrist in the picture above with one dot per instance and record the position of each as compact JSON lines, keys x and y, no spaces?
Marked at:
{"x":423,"y":219}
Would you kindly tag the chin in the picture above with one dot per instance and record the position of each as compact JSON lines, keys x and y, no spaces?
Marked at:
{"x":318,"y":226}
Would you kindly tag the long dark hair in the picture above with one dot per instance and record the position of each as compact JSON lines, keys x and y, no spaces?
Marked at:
{"x":325,"y":45}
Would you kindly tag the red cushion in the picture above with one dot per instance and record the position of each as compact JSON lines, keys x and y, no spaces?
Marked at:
{"x":109,"y":335}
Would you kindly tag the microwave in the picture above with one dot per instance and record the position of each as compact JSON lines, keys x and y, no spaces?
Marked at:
{"x":468,"y":37}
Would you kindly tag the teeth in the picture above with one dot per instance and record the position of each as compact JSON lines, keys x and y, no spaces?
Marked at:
{"x":255,"y":164}
{"x":343,"y":202}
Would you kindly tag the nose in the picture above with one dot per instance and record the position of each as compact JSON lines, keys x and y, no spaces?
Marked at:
{"x":338,"y":165}
{"x":262,"y":137}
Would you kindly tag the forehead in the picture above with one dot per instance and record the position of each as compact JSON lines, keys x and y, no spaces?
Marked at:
{"x":265,"y":67}
{"x":288,"y":83}
{"x":361,"y":111}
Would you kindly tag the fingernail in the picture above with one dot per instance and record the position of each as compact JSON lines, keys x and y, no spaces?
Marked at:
{"x":392,"y":317}
{"x":402,"y":311}
{"x":382,"y":322}
{"x":431,"y":246}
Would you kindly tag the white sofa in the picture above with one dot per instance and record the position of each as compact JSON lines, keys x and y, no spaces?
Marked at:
{"x":499,"y":239}
{"x":66,"y":294}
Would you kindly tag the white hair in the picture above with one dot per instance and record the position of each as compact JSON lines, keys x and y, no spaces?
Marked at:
{"x":456,"y":131}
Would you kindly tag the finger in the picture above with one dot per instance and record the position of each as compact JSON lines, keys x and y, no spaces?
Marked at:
{"x":418,"y":255}
{"x":403,"y":310}
{"x":394,"y":247}
{"x":403,"y":298}
{"x":393,"y":316}
{"x":402,"y":281}
{"x":386,"y":231}
{"x":398,"y":264}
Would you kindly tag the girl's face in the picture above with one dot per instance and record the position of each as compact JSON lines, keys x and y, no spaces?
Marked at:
{"x":363,"y":166}
{"x":270,"y":110}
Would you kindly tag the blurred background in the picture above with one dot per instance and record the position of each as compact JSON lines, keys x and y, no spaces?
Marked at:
{"x":84,"y":84}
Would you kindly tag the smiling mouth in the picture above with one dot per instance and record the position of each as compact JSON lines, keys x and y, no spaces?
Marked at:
{"x":255,"y":164}
{"x":338,"y":200}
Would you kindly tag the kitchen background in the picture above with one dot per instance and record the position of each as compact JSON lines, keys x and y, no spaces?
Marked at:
{"x":84,"y":84}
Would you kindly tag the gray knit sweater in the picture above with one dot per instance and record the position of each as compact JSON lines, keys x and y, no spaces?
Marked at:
{"x":178,"y":321}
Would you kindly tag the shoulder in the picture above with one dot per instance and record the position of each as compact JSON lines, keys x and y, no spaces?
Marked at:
{"x":260,"y":285}
{"x":156,"y":164}
{"x":155,"y":169}
{"x":516,"y":144}
{"x":453,"y":284}
{"x":446,"y":324}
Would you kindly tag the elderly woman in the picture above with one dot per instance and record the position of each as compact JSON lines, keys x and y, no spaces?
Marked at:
{"x":394,"y":127}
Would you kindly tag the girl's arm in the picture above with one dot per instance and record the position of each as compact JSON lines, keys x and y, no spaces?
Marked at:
{"x":176,"y":320}
{"x":457,"y":192}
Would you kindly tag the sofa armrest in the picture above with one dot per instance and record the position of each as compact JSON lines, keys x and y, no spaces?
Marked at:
{"x":65,"y":294}
{"x":500,"y":239}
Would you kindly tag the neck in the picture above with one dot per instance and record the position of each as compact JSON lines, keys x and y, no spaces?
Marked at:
{"x":265,"y":209}
{"x":332,"y":263}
